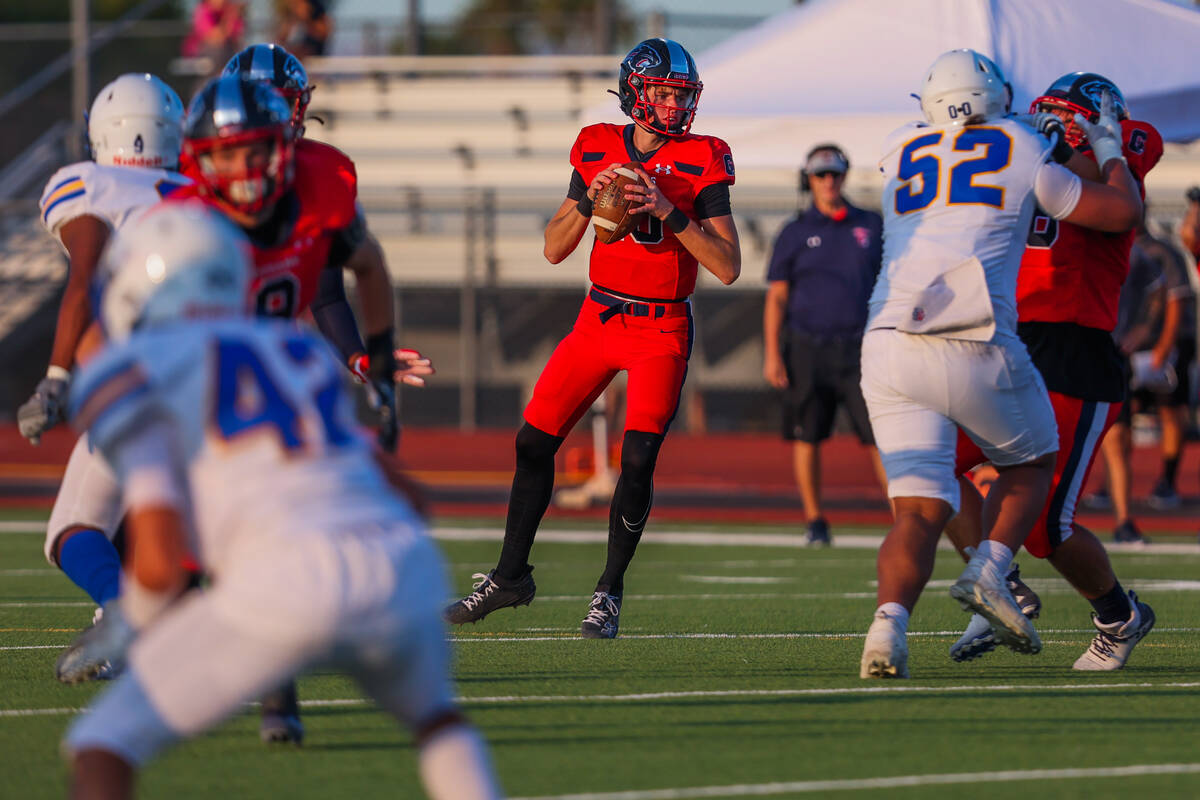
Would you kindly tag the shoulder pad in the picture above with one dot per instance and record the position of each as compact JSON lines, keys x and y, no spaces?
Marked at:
{"x":64,"y":197}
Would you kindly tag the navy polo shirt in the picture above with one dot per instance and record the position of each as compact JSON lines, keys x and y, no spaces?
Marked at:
{"x":830,"y":266}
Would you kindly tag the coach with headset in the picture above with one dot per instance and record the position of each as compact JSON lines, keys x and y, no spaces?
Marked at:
{"x":821,"y":274}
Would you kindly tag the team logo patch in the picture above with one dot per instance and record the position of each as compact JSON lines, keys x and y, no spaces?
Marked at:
{"x":728,"y":164}
{"x":1137,"y":141}
{"x":1094,"y":90}
{"x":918,"y":314}
{"x":642,"y":59}
{"x":862,"y":236}
{"x":814,"y":241}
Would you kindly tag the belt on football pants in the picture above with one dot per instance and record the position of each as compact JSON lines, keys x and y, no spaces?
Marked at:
{"x":634,"y":308}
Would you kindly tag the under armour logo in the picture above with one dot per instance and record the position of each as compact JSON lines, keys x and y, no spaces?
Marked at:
{"x":814,"y":241}
{"x":662,"y":168}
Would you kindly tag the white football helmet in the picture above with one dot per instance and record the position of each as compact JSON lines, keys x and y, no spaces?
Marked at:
{"x":136,"y":121}
{"x":176,"y":261}
{"x":963,"y":86}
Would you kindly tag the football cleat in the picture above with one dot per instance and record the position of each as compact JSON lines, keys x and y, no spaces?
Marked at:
{"x":978,"y":638}
{"x":280,"y":722}
{"x":603,"y":617}
{"x":1116,"y":640}
{"x":491,"y":594}
{"x":980,"y":591}
{"x":885,"y":653}
{"x":98,"y":653}
{"x":818,"y":533}
{"x":1129,"y":533}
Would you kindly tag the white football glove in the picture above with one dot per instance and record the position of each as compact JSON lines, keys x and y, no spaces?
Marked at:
{"x":1105,"y":135}
{"x":1054,"y":130}
{"x":103,"y":644}
{"x":47,"y":407}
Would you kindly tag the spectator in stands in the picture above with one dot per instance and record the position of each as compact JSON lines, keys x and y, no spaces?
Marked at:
{"x":217,"y":30}
{"x":821,"y":274}
{"x":304,"y":27}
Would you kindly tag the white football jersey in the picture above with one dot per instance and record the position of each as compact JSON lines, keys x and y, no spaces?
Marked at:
{"x":113,"y":194}
{"x":262,"y":420}
{"x":957,"y":203}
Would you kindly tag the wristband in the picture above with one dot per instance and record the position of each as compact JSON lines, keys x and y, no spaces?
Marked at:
{"x":58,"y":373}
{"x":677,"y":221}
{"x":584,"y":206}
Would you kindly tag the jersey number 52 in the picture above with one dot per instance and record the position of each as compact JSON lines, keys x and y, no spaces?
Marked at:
{"x":922,"y":174}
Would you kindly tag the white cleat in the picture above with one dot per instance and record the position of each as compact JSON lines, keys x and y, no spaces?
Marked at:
{"x":885,"y":653}
{"x":980,"y":591}
{"x":1115,"y":641}
{"x":976,"y":640}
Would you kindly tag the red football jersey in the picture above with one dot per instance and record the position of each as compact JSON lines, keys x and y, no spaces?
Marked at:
{"x":286,"y":275}
{"x":1073,"y":274}
{"x":650,"y":262}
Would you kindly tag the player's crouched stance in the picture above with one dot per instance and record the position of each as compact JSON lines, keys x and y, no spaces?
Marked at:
{"x":941,"y":351}
{"x":192,"y":403}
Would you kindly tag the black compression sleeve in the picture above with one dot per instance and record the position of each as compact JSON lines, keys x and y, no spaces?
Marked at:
{"x":578,"y":188}
{"x":333,"y":315}
{"x":713,"y":201}
{"x":347,"y":240}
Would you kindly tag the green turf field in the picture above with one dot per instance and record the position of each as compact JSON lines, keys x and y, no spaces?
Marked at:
{"x":736,"y":674}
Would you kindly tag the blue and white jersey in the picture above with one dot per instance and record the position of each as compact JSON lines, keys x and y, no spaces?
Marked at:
{"x":259,"y":415}
{"x":113,"y":194}
{"x":957,"y":203}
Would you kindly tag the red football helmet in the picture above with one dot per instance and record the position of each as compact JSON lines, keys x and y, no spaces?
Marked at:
{"x":231,"y":112}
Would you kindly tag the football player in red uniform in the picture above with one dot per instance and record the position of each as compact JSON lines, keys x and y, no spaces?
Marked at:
{"x":636,"y":317}
{"x":1067,"y":294}
{"x":298,"y":206}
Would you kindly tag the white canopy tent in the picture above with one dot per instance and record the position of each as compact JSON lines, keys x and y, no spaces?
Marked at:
{"x":844,"y":70}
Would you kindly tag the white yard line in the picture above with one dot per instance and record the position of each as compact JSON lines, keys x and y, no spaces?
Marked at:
{"x":880,"y":689}
{"x":896,"y":782}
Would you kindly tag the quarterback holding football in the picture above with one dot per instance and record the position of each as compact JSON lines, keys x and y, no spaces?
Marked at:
{"x":636,"y":317}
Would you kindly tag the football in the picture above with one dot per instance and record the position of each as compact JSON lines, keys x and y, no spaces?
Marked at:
{"x":610,"y":210}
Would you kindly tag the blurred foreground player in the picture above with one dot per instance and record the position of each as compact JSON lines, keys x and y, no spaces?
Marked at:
{"x":637,"y":317}
{"x":232,"y":438}
{"x":134,"y":133}
{"x":941,"y":350}
{"x":1068,"y":291}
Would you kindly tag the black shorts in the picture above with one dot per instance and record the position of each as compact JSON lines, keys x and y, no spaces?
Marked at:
{"x":823,"y":373}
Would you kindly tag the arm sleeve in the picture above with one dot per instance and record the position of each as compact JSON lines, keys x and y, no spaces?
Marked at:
{"x":1057,"y":189}
{"x":347,"y":240}
{"x":578,"y":186}
{"x":333,"y":315}
{"x":713,"y":201}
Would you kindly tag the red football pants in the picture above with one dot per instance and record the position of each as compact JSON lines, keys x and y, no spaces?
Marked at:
{"x":654,"y":352}
{"x":1081,"y":427}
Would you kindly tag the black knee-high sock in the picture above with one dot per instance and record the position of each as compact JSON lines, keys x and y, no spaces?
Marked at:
{"x":532,"y":487}
{"x":1170,"y":467}
{"x":630,"y":505}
